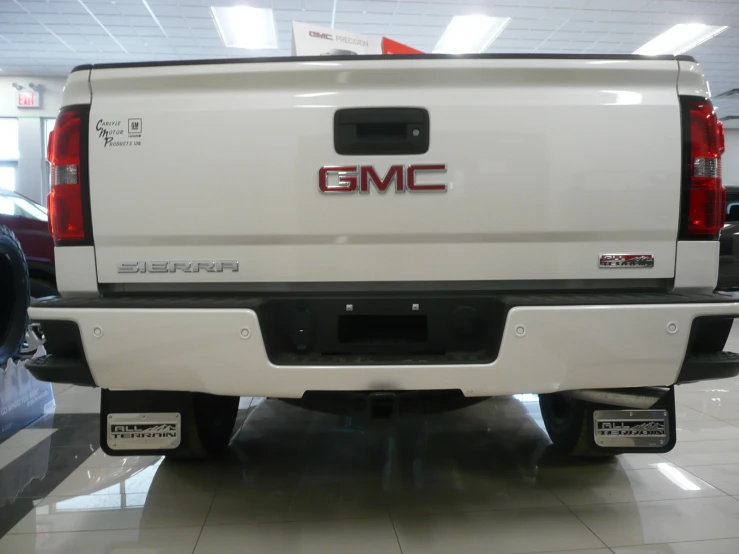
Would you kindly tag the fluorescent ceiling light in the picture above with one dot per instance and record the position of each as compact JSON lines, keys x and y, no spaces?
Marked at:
{"x":245,"y":27}
{"x":470,"y":34}
{"x":679,"y":39}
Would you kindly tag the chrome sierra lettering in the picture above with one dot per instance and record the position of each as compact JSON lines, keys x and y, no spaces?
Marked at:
{"x":184,"y":266}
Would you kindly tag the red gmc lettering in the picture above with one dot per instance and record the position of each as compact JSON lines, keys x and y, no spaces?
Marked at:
{"x":411,"y":181}
{"x":357,"y":178}
{"x":347,"y":178}
{"x":368,"y":173}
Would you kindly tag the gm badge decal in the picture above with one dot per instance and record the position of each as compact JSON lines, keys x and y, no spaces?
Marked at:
{"x":614,"y":261}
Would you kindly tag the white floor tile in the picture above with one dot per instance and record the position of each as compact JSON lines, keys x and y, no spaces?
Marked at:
{"x":706,"y":430}
{"x":664,"y":521}
{"x":159,"y":478}
{"x":665,"y":482}
{"x":257,"y":506}
{"x":640,"y":461}
{"x":474,"y":499}
{"x":20,"y":443}
{"x":59,"y":388}
{"x":697,"y":453}
{"x":723,"y":477}
{"x":101,"y":459}
{"x":96,"y":512}
{"x":469,"y":481}
{"x":78,"y":400}
{"x":588,"y":551}
{"x":729,"y":384}
{"x":355,"y":536}
{"x":245,"y":402}
{"x":721,"y":546}
{"x":504,"y":532}
{"x":179,"y":540}
{"x":684,"y":413}
{"x":720,"y":403}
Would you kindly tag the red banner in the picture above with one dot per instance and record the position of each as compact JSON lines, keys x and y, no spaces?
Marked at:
{"x":390,"y":46}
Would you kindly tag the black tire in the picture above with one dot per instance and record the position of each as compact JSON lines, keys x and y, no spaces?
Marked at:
{"x":14,"y":295}
{"x":566,"y":421}
{"x":41,"y":288}
{"x":212,"y":420}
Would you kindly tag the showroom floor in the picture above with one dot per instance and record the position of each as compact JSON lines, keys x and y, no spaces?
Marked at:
{"x":478,"y":480}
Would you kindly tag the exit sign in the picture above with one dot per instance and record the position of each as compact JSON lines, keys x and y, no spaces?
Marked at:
{"x":27,"y":99}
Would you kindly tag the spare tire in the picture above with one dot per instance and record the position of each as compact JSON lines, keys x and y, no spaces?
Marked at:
{"x":14,"y":295}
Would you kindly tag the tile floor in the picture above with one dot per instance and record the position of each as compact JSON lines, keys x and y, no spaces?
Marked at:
{"x":479,"y":480}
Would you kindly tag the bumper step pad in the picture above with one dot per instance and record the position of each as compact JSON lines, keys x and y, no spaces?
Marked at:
{"x":60,"y":369}
{"x":712,"y":365}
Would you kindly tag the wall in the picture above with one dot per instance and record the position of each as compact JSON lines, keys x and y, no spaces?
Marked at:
{"x":730,"y":159}
{"x":30,"y":179}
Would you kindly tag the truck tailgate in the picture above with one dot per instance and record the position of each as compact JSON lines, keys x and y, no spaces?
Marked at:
{"x":551,"y":163}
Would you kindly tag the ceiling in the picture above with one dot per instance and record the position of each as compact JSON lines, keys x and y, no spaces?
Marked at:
{"x":49,"y":37}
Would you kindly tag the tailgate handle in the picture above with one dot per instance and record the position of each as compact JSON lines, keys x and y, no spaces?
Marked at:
{"x":381,"y":131}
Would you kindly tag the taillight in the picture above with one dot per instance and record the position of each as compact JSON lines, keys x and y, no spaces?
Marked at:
{"x":66,"y":206}
{"x":705,"y":213}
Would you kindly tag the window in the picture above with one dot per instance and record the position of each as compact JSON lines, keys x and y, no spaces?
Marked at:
{"x":7,"y":175}
{"x":48,"y":128}
{"x":8,"y":152}
{"x":8,"y":139}
{"x":13,"y":204}
{"x":732,"y":212}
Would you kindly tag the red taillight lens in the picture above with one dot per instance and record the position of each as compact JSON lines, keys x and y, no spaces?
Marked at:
{"x":66,"y":213}
{"x":706,"y":195}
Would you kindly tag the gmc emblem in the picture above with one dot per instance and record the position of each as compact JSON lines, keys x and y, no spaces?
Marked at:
{"x":357,"y":178}
{"x":316,"y":34}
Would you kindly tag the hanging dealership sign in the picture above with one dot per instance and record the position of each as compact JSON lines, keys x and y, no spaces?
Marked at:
{"x":311,"y":40}
{"x":27,"y":99}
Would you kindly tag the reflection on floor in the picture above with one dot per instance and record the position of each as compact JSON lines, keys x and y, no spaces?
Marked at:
{"x":482,"y":479}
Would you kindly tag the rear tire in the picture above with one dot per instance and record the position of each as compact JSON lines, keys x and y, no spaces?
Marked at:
{"x":566,"y":421}
{"x":212,"y":421}
{"x":14,"y":295}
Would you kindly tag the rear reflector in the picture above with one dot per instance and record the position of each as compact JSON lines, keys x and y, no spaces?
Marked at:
{"x":705,"y":195}
{"x":66,"y":212}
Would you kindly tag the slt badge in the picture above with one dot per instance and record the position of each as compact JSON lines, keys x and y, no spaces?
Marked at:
{"x":614,"y":261}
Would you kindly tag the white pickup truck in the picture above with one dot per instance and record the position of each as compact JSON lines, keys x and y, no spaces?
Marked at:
{"x":389,"y":234}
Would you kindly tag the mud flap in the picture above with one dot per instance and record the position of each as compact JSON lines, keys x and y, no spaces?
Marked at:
{"x":144,"y":422}
{"x":616,"y":430}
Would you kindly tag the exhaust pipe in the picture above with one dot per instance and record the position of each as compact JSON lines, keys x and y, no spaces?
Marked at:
{"x":640,"y":398}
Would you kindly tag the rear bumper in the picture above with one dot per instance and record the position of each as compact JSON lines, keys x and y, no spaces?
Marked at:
{"x":546,"y":344}
{"x":728,"y":273}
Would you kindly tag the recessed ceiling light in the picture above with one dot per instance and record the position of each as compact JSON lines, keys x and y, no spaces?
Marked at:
{"x":680,"y":39}
{"x":245,"y":27}
{"x":470,"y":34}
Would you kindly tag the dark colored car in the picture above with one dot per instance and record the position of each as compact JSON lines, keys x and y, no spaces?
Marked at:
{"x":28,"y":221}
{"x":728,"y":269}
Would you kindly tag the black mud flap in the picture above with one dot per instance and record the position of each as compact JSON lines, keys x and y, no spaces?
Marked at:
{"x":134,"y":423}
{"x":616,"y":430}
